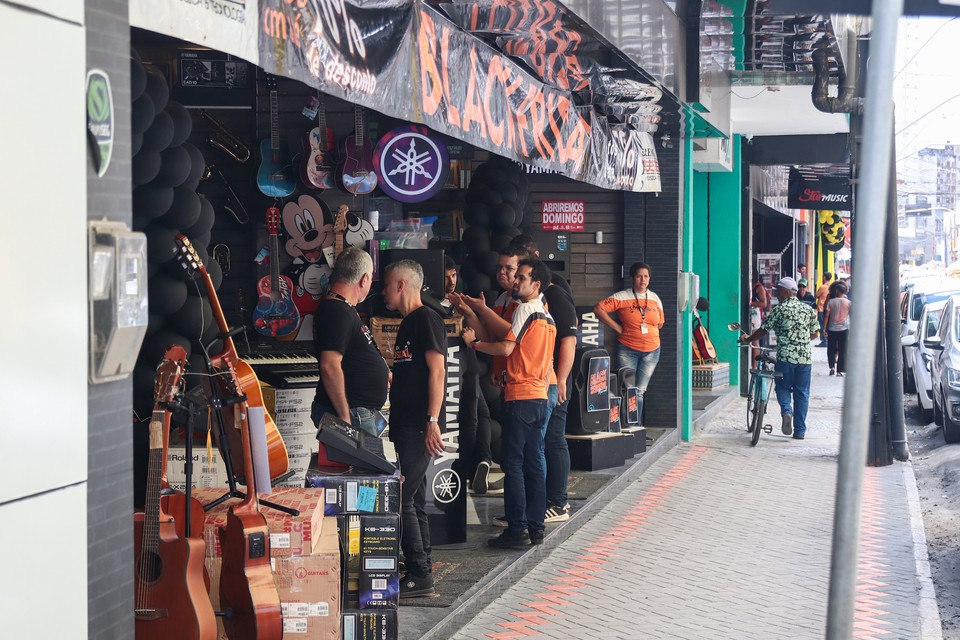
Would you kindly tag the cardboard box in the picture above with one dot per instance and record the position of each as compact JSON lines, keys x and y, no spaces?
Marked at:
{"x":309,"y":588}
{"x":289,"y":535}
{"x":276,"y":399}
{"x":294,"y":422}
{"x":385,"y":333}
{"x":369,"y":536}
{"x":298,"y":465}
{"x":369,"y":625}
{"x":303,"y":444}
{"x":711,"y":376}
{"x":207,"y":471}
{"x":357,"y":493}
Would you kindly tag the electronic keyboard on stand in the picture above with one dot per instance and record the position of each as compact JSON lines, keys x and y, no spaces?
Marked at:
{"x":285,"y":369}
{"x":353,"y":447}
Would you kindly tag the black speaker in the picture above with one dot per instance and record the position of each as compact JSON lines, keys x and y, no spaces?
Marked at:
{"x":579,"y":420}
{"x":626,"y":378}
{"x":430,"y":259}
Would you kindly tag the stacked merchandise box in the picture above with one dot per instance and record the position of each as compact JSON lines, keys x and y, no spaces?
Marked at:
{"x":369,"y":625}
{"x":208,"y":469}
{"x":290,"y":409}
{"x":711,"y":376}
{"x":305,"y":563}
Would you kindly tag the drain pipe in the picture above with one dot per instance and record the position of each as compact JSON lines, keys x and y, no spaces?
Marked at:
{"x":845,"y":102}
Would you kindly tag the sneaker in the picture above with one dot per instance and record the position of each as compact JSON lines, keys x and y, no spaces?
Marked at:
{"x":500,"y":521}
{"x":480,"y":477}
{"x":414,"y":587}
{"x":833,"y":373}
{"x":787,"y":425}
{"x":840,"y":375}
{"x":557,"y":514}
{"x":798,"y":437}
{"x":536,"y":537}
{"x":510,"y":540}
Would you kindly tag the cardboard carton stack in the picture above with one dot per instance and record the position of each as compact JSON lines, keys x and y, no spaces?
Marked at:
{"x":290,"y":409}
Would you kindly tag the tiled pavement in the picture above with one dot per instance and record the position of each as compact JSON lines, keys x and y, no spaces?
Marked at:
{"x":720,"y":540}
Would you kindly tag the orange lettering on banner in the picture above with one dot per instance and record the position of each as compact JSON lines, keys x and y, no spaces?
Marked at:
{"x":472,"y":109}
{"x":495,"y":129}
{"x":453,"y":113}
{"x":274,"y":24}
{"x":540,"y":125}
{"x":429,"y":73}
{"x":553,"y":113}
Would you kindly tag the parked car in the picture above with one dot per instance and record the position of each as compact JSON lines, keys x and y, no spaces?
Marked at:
{"x":945,"y":370}
{"x":920,"y":355}
{"x":911,"y":307}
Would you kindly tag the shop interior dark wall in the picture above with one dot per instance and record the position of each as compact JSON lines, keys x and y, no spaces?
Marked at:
{"x":110,"y":470}
{"x":772,"y":233}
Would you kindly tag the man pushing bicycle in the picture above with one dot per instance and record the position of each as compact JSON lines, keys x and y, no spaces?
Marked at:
{"x":795,"y":325}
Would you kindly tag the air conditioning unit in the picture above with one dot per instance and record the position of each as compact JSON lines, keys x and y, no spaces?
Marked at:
{"x":712,"y":155}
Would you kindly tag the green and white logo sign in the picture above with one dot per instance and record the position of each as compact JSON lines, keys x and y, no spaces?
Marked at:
{"x":100,"y":118}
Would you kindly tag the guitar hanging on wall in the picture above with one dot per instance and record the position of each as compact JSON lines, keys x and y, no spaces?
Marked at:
{"x":274,"y":178}
{"x":171,"y":597}
{"x":275,"y":315}
{"x":356,"y":174}
{"x":319,"y":153}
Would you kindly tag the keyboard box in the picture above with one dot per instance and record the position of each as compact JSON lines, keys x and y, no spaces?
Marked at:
{"x":357,"y":493}
{"x":369,"y":535}
{"x":296,"y":471}
{"x":289,"y":535}
{"x":208,"y":472}
{"x":294,"y":422}
{"x":369,"y":625}
{"x":276,"y":399}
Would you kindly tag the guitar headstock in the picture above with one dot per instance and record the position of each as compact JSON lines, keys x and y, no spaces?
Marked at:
{"x":170,"y":374}
{"x":186,"y":255}
{"x":228,"y":375}
{"x":340,"y":223}
{"x":273,"y":221}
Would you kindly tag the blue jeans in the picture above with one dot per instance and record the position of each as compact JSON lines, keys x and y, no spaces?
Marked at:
{"x":523,"y":464}
{"x":360,"y":417}
{"x":555,"y":449}
{"x":795,"y":383}
{"x":644,"y":363}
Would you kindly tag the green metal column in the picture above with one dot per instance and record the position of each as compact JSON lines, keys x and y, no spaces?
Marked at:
{"x":686,"y":319}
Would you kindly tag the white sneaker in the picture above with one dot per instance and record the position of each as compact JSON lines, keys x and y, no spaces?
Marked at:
{"x":480,"y":477}
{"x":557,"y":514}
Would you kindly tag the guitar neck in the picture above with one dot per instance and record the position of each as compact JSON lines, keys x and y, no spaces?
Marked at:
{"x":274,"y":122}
{"x":274,"y":266}
{"x":358,"y":122}
{"x":151,"y":524}
{"x":228,"y":347}
{"x":322,"y":122}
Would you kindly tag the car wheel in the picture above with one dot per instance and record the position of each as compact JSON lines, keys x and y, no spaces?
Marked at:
{"x":909,"y":384}
{"x":951,"y":430}
{"x":926,"y":414}
{"x":937,"y":413}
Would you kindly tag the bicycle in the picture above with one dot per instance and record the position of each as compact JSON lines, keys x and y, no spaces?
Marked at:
{"x":758,"y":391}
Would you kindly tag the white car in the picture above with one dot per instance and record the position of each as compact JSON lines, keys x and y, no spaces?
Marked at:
{"x":911,"y":307}
{"x":920,"y":355}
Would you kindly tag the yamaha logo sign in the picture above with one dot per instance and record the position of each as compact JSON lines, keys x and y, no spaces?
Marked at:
{"x":446,"y":486}
{"x":411,"y":163}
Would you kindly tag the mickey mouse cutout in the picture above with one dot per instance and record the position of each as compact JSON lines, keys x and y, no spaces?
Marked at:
{"x":309,"y":226}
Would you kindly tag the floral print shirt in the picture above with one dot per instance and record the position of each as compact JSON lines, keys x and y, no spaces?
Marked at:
{"x":793,"y":322}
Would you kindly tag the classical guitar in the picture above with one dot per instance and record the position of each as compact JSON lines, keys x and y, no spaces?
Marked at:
{"x":248,"y":593}
{"x":356,"y":173}
{"x":275,"y":314}
{"x":319,"y":153}
{"x":276,"y":450}
{"x":274,"y":177}
{"x":171,"y":598}
{"x":703,"y":349}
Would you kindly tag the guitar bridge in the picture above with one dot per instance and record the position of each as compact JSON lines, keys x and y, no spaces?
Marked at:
{"x":151,"y":614}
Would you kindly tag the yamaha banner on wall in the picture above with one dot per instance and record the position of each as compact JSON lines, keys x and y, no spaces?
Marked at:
{"x":824,"y":193}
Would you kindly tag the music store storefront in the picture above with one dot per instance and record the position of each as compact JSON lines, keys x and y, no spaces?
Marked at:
{"x":264,"y":137}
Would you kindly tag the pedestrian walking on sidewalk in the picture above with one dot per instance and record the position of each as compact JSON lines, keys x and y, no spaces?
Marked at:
{"x":795,"y":325}
{"x":836,"y":322}
{"x":823,"y":294}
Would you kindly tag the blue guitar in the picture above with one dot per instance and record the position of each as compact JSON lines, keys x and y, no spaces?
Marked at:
{"x":276,"y":315}
{"x":275,"y":177}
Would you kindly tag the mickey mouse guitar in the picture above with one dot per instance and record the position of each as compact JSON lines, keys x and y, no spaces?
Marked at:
{"x":319,"y":151}
{"x":275,"y":315}
{"x":248,"y":593}
{"x":276,"y":449}
{"x":171,"y":598}
{"x":273,"y":176}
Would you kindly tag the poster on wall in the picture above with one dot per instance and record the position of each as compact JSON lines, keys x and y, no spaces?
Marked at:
{"x":768,"y":264}
{"x":598,"y":390}
{"x":563,"y":215}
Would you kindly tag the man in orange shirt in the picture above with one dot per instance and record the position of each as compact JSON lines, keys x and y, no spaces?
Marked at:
{"x":822,"y":294}
{"x":528,"y":348}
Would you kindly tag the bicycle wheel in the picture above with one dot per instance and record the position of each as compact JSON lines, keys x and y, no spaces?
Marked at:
{"x":751,"y":404}
{"x":758,"y":416}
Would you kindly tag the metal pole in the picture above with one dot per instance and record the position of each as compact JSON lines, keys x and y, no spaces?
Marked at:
{"x":891,"y":314}
{"x":872,"y":209}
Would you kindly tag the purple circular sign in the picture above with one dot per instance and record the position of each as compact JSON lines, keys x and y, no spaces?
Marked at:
{"x":411,"y":163}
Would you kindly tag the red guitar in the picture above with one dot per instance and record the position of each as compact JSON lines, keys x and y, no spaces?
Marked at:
{"x":247,"y":589}
{"x":703,"y":349}
{"x":275,"y":315}
{"x":171,"y":598}
{"x":319,"y":150}
{"x":356,"y":174}
{"x":276,"y":449}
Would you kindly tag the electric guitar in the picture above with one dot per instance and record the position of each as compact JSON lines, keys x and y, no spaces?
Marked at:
{"x":247,"y":588}
{"x":356,"y":174}
{"x":275,"y":315}
{"x":319,"y":154}
{"x":340,"y":230}
{"x":276,"y":449}
{"x":273,"y":177}
{"x":171,"y":597}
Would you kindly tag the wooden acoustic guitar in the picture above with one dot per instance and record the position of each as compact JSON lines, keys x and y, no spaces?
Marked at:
{"x":356,"y":174}
{"x":274,"y":177}
{"x":703,"y":349}
{"x":318,"y":170}
{"x":171,"y":597}
{"x":248,"y":592}
{"x":275,"y":314}
{"x":276,"y":449}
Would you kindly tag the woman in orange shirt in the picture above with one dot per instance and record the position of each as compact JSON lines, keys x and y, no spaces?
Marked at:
{"x":637,"y":325}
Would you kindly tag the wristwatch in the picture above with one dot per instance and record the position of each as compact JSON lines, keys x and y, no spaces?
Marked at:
{"x":433,"y":419}
{"x":475,"y":343}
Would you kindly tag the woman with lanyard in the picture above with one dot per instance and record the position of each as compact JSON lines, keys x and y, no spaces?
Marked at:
{"x":638,"y":323}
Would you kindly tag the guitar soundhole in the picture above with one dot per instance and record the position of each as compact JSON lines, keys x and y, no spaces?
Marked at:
{"x":149,"y":567}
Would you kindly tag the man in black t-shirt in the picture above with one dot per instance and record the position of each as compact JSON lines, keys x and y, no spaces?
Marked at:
{"x":353,"y":375}
{"x":416,"y":405}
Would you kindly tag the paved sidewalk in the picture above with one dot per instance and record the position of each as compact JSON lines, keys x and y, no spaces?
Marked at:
{"x":720,"y":540}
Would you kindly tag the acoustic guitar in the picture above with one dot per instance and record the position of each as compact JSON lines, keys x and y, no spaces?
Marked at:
{"x":356,"y":173}
{"x":275,"y":314}
{"x":171,"y":598}
{"x":274,"y":177}
{"x":703,"y":349}
{"x":276,"y":449}
{"x":319,"y":154}
{"x":248,"y":593}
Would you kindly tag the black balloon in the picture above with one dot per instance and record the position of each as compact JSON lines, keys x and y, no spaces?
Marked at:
{"x":155,"y":322}
{"x":175,"y":167}
{"x":476,"y":239}
{"x":197,"y":166}
{"x":204,"y":223}
{"x":145,"y":168}
{"x":161,"y":243}
{"x":500,"y":242}
{"x":136,"y":142}
{"x":192,"y":318}
{"x":492,"y":198}
{"x":487,"y":263}
{"x":477,"y":214}
{"x":503,"y":215}
{"x":182,"y":123}
{"x":138,"y":79}
{"x":478,"y":284}
{"x":152,"y":201}
{"x":507,"y":230}
{"x":142,"y":113}
{"x":507,"y":190}
{"x":157,"y":88}
{"x":185,"y":209}
{"x":166,"y":294}
{"x":159,"y":135}
{"x":156,"y":345}
{"x":144,"y":377}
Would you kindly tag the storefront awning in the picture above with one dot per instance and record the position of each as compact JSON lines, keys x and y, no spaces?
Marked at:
{"x":517,"y":78}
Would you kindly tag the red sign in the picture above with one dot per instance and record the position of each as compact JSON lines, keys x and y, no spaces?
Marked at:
{"x":563,"y":215}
